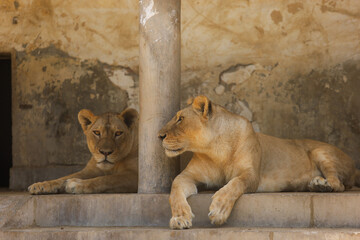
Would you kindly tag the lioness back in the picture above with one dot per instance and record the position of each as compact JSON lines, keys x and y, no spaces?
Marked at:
{"x":294,"y":155}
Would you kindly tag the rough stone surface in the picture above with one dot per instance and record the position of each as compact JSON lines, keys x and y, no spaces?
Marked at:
{"x":273,"y":210}
{"x":16,"y":208}
{"x":329,"y":211}
{"x":294,"y":65}
{"x":284,"y":210}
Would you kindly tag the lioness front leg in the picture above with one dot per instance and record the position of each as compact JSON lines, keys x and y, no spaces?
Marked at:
{"x":58,"y":185}
{"x":182,"y":187}
{"x":224,"y":199}
{"x":125,"y":182}
{"x":52,"y":186}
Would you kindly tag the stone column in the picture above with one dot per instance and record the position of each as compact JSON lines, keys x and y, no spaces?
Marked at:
{"x":159,"y":90}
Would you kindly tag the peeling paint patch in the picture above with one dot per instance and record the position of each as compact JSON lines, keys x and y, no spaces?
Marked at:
{"x":121,"y":78}
{"x":241,"y":108}
{"x":240,"y":73}
{"x":125,"y":79}
{"x":220,"y":89}
{"x":148,"y":12}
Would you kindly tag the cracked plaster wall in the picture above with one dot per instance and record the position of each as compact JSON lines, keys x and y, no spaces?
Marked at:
{"x":291,"y":67}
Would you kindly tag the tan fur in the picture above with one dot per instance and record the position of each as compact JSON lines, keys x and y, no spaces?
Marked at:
{"x":229,"y":154}
{"x":112,"y":139}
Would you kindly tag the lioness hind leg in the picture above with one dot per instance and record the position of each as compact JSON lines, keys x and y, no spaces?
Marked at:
{"x":326,"y":163}
{"x":319,"y":184}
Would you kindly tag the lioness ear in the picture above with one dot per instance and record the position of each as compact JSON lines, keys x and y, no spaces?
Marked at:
{"x":202,"y":105}
{"x":86,"y":117}
{"x":190,"y":101}
{"x":130,"y":116}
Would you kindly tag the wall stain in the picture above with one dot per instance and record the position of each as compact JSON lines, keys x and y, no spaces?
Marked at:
{"x":16,"y":5}
{"x":25,"y":106}
{"x":326,"y":107}
{"x":7,"y":5}
{"x":342,"y":11}
{"x":51,"y":50}
{"x":295,"y":7}
{"x":260,"y":30}
{"x":276,"y":16}
{"x":42,"y":9}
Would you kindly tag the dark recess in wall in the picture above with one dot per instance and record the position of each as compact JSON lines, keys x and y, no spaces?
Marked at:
{"x":5,"y":99}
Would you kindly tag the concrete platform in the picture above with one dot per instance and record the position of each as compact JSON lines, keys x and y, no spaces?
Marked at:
{"x":101,"y":233}
{"x":280,"y":210}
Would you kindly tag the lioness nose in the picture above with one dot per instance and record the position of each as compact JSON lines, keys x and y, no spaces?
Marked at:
{"x":105,"y":152}
{"x":162,"y":136}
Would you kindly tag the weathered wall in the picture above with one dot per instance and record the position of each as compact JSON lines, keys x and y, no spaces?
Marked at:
{"x":291,"y":67}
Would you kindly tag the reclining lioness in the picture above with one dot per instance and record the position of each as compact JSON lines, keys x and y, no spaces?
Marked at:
{"x":112,"y":139}
{"x":229,"y":154}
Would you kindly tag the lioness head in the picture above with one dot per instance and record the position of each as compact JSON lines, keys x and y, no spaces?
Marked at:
{"x":110,"y":136}
{"x":189,"y":129}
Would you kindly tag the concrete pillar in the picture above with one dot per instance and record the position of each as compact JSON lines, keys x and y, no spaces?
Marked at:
{"x":159,"y":90}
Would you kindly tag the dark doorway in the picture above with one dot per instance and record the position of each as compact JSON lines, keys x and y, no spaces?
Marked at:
{"x":5,"y":99}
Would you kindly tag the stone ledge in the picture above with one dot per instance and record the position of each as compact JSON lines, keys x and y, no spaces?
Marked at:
{"x":298,"y":210}
{"x":91,"y":233}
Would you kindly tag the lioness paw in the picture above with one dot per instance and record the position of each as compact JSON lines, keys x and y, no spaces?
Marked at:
{"x":44,"y":187}
{"x":181,"y":216}
{"x":319,"y":184}
{"x":77,"y":186}
{"x":220,"y":208}
{"x":335,"y":183}
{"x":180,"y":222}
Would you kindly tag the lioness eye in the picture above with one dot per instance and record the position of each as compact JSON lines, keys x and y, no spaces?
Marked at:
{"x":96,"y":132}
{"x":118,"y":133}
{"x":180,"y":119}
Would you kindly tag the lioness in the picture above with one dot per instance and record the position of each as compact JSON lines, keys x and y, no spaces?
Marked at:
{"x":229,"y":154}
{"x":112,"y":139}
